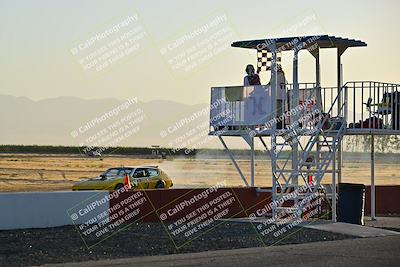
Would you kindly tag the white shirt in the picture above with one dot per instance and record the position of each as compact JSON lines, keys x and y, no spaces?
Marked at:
{"x":281,"y":90}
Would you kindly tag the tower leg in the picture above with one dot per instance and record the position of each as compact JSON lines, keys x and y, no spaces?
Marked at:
{"x":373,"y":215}
{"x":252,"y":162}
{"x":334,"y":188}
{"x":234,"y":161}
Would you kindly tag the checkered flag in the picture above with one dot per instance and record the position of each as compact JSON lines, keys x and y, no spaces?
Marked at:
{"x":264,"y":60}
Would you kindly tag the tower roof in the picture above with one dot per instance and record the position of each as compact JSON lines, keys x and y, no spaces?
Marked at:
{"x":288,"y":43}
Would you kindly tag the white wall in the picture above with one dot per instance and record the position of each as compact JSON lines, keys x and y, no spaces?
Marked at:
{"x":45,"y":209}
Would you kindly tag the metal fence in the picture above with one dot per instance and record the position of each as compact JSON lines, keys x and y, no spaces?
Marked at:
{"x":367,"y":106}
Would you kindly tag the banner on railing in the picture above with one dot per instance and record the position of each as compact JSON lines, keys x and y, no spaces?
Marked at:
{"x":240,"y":106}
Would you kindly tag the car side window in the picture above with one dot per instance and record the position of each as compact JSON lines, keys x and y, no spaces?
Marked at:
{"x":152,"y":172}
{"x":140,"y":173}
{"x":112,"y":173}
{"x":123,"y":172}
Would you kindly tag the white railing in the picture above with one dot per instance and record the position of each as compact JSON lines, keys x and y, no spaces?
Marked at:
{"x":372,"y":106}
{"x":366,"y":106}
{"x":237,"y":106}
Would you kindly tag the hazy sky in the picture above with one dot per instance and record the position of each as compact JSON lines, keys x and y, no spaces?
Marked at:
{"x":37,"y":37}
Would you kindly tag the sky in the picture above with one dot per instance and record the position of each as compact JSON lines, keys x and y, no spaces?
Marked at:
{"x":37,"y":40}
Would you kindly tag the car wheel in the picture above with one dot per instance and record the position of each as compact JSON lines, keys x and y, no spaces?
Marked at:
{"x":160,"y":184}
{"x":118,"y":186}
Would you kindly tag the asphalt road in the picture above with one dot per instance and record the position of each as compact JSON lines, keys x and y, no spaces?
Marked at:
{"x":378,"y":251}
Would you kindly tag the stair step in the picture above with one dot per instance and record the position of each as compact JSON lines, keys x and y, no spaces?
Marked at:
{"x":325,"y":144}
{"x":261,"y":190}
{"x":287,"y":208}
{"x":316,"y":171}
{"x":314,"y":167}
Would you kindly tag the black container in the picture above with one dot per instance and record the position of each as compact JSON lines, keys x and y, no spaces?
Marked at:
{"x":350,"y":206}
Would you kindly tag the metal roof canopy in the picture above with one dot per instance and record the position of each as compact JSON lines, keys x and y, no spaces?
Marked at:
{"x":301,"y":42}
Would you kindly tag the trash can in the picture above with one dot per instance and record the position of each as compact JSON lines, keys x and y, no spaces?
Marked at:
{"x":350,"y":206}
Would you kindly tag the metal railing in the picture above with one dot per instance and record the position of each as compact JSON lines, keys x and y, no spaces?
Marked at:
{"x":367,"y":106}
{"x":373,"y":106}
{"x":238,"y":106}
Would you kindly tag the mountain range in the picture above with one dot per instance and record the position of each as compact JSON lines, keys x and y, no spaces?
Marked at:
{"x":51,"y":121}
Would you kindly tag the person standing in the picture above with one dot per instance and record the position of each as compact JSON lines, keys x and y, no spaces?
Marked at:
{"x":281,"y":95}
{"x":251,"y":78}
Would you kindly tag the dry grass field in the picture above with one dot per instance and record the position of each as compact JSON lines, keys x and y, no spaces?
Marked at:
{"x":34,"y":172}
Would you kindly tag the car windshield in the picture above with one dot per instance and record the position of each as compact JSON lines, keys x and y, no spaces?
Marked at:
{"x":116,"y":172}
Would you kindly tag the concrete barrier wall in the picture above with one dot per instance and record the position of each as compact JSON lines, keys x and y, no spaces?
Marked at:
{"x":244,"y":202}
{"x":387,"y":200}
{"x":50,"y":209}
{"x":42,"y":209}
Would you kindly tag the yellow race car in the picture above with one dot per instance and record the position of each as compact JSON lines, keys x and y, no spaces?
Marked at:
{"x":143,"y":177}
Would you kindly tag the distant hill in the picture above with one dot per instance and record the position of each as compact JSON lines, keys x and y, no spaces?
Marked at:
{"x":51,"y":121}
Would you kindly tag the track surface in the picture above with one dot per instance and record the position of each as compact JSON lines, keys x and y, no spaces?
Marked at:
{"x":379,"y":251}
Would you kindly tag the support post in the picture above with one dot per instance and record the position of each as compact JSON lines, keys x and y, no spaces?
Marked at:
{"x":318,"y":72}
{"x":340,"y":51}
{"x":272,"y":48}
{"x":340,"y":167}
{"x":274,"y":86}
{"x":252,"y":162}
{"x":249,"y":138}
{"x":315,"y":54}
{"x":234,"y":161}
{"x":334,"y":186}
{"x":295,"y":144}
{"x":373,"y":215}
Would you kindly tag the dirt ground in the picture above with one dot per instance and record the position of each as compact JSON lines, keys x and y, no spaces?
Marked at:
{"x":34,"y":172}
{"x":29,"y":247}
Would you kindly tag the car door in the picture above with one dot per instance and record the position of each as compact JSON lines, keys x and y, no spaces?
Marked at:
{"x":154,"y":176}
{"x":109,"y":177}
{"x":141,"y":178}
{"x":120,"y":178}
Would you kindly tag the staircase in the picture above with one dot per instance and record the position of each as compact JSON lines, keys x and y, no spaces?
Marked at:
{"x":298,"y":174}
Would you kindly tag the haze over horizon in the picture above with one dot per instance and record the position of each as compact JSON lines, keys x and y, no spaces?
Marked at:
{"x":174,"y":52}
